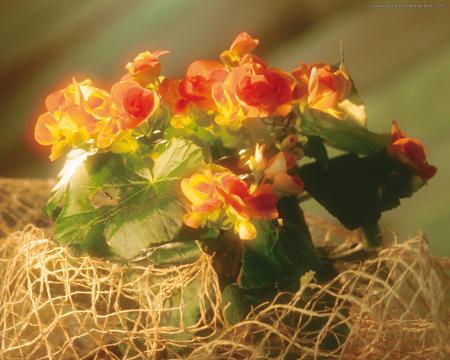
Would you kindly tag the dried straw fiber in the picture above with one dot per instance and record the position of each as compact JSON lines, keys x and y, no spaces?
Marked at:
{"x":57,"y":306}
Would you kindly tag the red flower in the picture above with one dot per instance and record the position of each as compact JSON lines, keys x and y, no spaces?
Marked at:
{"x":259,"y":204}
{"x":235,"y":193}
{"x":195,"y":88}
{"x":135,"y":103}
{"x":138,"y":104}
{"x":411,"y":152}
{"x":262,"y":203}
{"x":170,"y":93}
{"x":261,"y":91}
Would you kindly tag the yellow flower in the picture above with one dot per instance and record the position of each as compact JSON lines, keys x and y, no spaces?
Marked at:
{"x":63,"y":129}
{"x":200,"y":190}
{"x":223,"y":199}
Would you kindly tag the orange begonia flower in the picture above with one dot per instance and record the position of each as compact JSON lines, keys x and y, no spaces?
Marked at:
{"x":258,"y":204}
{"x":128,"y":106}
{"x":223,"y":195}
{"x":200,"y":77}
{"x":135,"y":103}
{"x":243,"y":44}
{"x":260,"y":91}
{"x":321,"y":87}
{"x":67,"y":123}
{"x":235,"y":193}
{"x":71,"y":95}
{"x":301,"y":74}
{"x":411,"y":152}
{"x":170,"y":94}
{"x":107,"y":131}
{"x":81,"y":113}
{"x":62,"y":129}
{"x":195,"y":88}
{"x":243,"y":205}
{"x":146,"y":67}
{"x":206,"y":202}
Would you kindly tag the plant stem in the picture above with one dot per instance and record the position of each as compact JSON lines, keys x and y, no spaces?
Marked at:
{"x":372,"y":236}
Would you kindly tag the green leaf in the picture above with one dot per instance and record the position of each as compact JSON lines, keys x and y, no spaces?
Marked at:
{"x":55,"y":203}
{"x":279,"y":256}
{"x":233,"y":305}
{"x":316,"y":149}
{"x":296,"y":240}
{"x":182,"y":310}
{"x":173,"y":253}
{"x":264,"y":261}
{"x":356,"y":190}
{"x":115,"y":205}
{"x":179,"y":157}
{"x":344,"y":135}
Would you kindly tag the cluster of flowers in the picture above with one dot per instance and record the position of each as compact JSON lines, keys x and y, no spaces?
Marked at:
{"x":219,"y":197}
{"x":239,"y":87}
{"x":243,"y":86}
{"x":82,"y":113}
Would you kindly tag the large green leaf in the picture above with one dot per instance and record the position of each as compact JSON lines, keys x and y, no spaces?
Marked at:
{"x":316,"y":149}
{"x":356,"y":190}
{"x":182,"y":310}
{"x":344,"y":135}
{"x":233,"y":304}
{"x":264,"y":262}
{"x":296,"y":240}
{"x":74,"y":160}
{"x":115,"y":204}
{"x":280,"y":255}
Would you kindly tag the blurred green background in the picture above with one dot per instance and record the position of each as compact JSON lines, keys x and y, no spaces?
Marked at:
{"x":398,"y":56}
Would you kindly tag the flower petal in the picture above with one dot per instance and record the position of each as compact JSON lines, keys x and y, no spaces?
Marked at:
{"x":43,"y":132}
{"x":287,"y":184}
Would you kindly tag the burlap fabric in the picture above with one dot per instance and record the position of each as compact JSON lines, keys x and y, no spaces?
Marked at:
{"x":57,"y":306}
